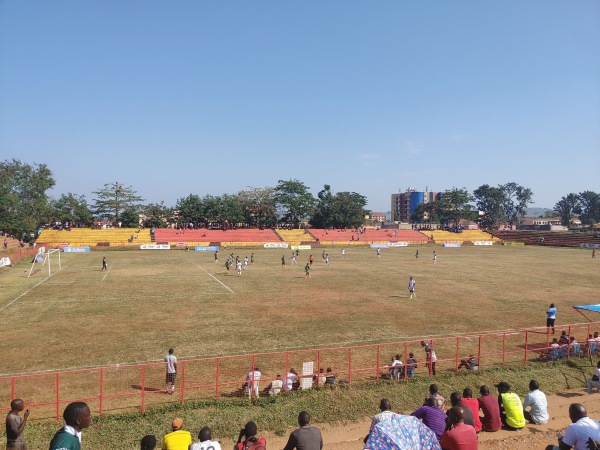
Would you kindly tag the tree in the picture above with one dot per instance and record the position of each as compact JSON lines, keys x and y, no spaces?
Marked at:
{"x":455,"y":206}
{"x":342,"y":210}
{"x":293,"y":198}
{"x":71,"y":208}
{"x":259,"y":206}
{"x":190,"y":209}
{"x":130,"y":217}
{"x":427,"y":212}
{"x":516,"y":199}
{"x":113,"y":198}
{"x":24,"y":204}
{"x":566,"y":207}
{"x":590,"y":208}
{"x":157,"y":215}
{"x":490,"y":201}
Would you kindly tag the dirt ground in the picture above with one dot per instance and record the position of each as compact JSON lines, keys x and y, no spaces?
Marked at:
{"x":533,"y":437}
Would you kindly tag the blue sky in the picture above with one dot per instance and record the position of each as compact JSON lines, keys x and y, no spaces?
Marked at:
{"x":210,"y":97}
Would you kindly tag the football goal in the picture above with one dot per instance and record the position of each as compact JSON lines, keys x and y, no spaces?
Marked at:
{"x":50,"y":258}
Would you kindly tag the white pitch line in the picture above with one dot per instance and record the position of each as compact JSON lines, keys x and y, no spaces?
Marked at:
{"x":108,"y":270}
{"x":214,"y":278}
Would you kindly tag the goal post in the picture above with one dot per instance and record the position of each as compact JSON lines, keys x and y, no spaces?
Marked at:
{"x":48,"y":258}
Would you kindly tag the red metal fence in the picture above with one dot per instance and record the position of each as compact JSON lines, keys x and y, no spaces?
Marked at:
{"x":140,"y":386}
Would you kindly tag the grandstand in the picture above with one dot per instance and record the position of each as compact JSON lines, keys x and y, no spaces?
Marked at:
{"x":77,"y":237}
{"x":240,"y":237}
{"x":556,"y":238}
{"x":370,"y":236}
{"x":466,"y":236}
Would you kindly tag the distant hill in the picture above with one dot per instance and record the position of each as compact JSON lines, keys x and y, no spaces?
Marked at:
{"x":537,"y":212}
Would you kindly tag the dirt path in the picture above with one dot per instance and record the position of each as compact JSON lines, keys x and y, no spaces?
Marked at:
{"x":350,"y":436}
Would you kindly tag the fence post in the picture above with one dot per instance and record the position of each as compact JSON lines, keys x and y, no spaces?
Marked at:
{"x":217,"y":379}
{"x":405,"y":359}
{"x":349,"y":364}
{"x":526,"y":344}
{"x":101,"y":389}
{"x":183,"y":382}
{"x":503,"y":347}
{"x":318,"y":367}
{"x":479,"y":352}
{"x":378,"y":362}
{"x":57,"y":396}
{"x":143,"y":388}
{"x":456,"y":355}
{"x":569,"y":344}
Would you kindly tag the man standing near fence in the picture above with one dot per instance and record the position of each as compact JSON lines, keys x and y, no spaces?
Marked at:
{"x":15,"y":425}
{"x":551,"y":317}
{"x":171,"y":361}
{"x":430,"y":356}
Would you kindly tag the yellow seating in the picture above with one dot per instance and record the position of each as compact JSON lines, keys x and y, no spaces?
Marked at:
{"x":89,"y":237}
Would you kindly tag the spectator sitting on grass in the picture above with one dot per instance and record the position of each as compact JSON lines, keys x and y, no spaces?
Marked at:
{"x":206,"y":442}
{"x":432,"y":416}
{"x":386,"y":412}
{"x":329,"y":377}
{"x":456,"y":400}
{"x":539,"y":405}
{"x":249,"y":434}
{"x":511,"y":408}
{"x":470,"y":364}
{"x":433,"y":392}
{"x":148,"y":442}
{"x":471,"y":403}
{"x":177,"y":438}
{"x":491,"y":420}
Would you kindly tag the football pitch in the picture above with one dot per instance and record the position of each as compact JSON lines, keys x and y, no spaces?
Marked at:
{"x":149,"y":301}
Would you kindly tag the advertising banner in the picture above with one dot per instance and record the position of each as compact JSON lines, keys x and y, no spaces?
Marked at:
{"x":301,"y":247}
{"x":155,"y":247}
{"x":386,"y":245}
{"x":452,"y":244}
{"x":483,"y":243}
{"x":76,"y":250}
{"x":208,"y":248}
{"x":276,"y":245}
{"x":398,"y":244}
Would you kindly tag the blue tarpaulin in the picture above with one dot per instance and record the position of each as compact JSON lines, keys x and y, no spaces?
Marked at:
{"x":593,"y":308}
{"x":399,"y":432}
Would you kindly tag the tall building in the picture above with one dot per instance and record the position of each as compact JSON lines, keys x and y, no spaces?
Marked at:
{"x":404,"y":204}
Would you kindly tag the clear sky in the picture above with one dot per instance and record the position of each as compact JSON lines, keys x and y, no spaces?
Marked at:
{"x":210,"y":97}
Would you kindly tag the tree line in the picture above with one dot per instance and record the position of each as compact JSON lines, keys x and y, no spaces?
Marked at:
{"x":25,"y":205}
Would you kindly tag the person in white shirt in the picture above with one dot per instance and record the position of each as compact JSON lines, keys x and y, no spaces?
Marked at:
{"x":252,"y":382}
{"x":579,"y":432}
{"x":275,"y":386}
{"x":290,"y":379}
{"x":396,"y":371}
{"x":386,"y":412}
{"x":539,"y":405}
{"x":594,"y":382}
{"x":206,"y":442}
{"x":171,"y":361}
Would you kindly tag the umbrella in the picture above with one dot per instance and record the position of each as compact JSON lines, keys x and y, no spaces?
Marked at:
{"x":399,"y":432}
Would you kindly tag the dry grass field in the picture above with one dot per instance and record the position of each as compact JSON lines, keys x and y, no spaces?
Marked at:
{"x":149,"y":301}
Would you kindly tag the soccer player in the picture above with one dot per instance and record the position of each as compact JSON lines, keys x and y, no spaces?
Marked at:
{"x":238,"y":268}
{"x":434,"y":256}
{"x":104,"y":266}
{"x":246,"y":263}
{"x":411,"y":288}
{"x":417,"y":254}
{"x":378,"y":252}
{"x":307,"y":270}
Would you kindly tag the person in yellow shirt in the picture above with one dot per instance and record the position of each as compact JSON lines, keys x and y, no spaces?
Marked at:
{"x":178,"y":439}
{"x":511,"y":408}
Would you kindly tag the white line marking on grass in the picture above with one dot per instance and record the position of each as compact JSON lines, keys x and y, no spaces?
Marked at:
{"x":108,"y":270}
{"x":214,"y":278}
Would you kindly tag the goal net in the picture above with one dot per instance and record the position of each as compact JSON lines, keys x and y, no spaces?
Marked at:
{"x":45,"y":259}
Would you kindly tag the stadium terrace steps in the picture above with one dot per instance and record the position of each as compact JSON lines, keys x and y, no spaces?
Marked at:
{"x":441,"y":237}
{"x":296,"y":237}
{"x":369,"y":236}
{"x":89,"y":237}
{"x":240,"y":237}
{"x":557,"y":238}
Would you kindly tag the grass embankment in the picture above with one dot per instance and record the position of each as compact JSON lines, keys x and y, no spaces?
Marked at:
{"x":278,"y":415}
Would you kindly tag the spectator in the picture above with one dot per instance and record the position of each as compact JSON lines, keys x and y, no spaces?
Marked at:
{"x":433,"y":392}
{"x":491,"y":420}
{"x":386,"y":412}
{"x":580,"y":432}
{"x":15,"y":425}
{"x":456,"y":400}
{"x":396,"y":372}
{"x":305,"y":437}
{"x":469,"y":364}
{"x":511,"y":408}
{"x":250,"y":440}
{"x":459,"y":435}
{"x":275,"y":386}
{"x":148,"y":442}
{"x":539,"y":405}
{"x":432,"y":416}
{"x":401,"y":432}
{"x":177,"y":439}
{"x":471,"y":403}
{"x":329,"y":377}
{"x":291,"y":379}
{"x":594,"y":382}
{"x":430,"y":356}
{"x":411,"y":365}
{"x":77,"y":417}
{"x":252,"y":382}
{"x":171,"y":374}
{"x":321,"y":377}
{"x":550,"y":317}
{"x":205,"y":441}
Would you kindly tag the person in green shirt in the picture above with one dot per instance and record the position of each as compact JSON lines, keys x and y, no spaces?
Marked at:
{"x":511,"y":408}
{"x":77,"y":417}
